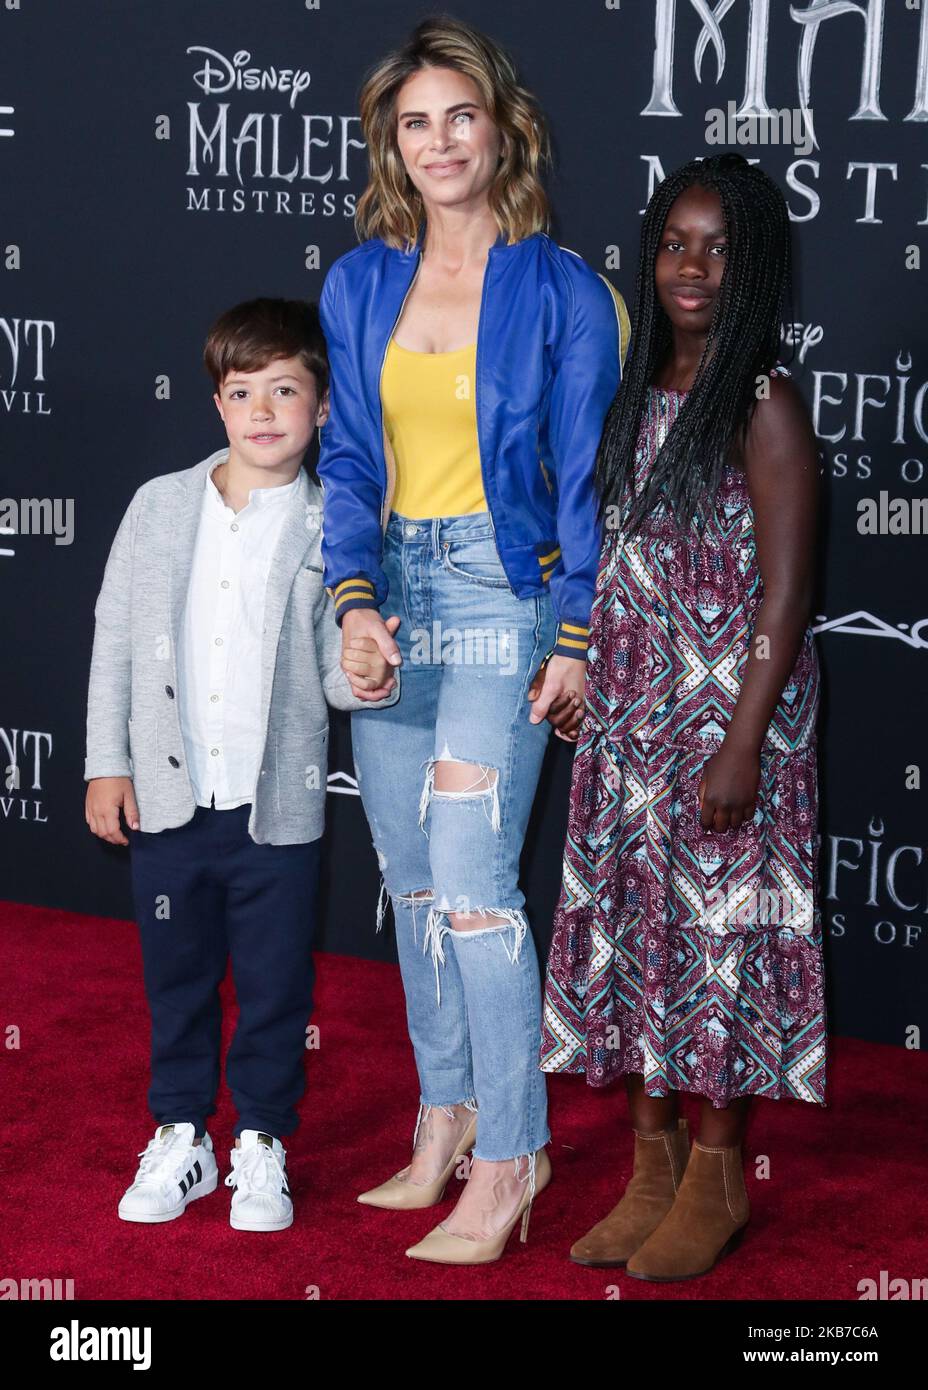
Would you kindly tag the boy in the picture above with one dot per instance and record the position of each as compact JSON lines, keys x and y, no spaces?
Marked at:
{"x":215,"y":651}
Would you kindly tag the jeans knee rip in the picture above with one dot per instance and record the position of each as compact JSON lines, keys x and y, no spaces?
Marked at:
{"x":422,"y":895}
{"x":437,"y":928}
{"x":485,"y":794}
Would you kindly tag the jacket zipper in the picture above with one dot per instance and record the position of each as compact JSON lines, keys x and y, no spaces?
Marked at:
{"x":383,"y":495}
{"x":483,"y":294}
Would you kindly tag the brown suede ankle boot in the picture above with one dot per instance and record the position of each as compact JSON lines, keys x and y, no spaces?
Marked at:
{"x":705,"y":1222}
{"x":660,"y":1161}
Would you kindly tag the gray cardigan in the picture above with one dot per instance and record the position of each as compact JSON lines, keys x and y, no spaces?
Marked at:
{"x":133,"y":728}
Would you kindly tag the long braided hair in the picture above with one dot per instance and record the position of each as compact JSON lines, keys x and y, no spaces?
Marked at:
{"x":742,"y":345}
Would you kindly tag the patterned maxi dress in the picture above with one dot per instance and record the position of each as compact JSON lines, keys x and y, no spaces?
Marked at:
{"x":690,"y":957}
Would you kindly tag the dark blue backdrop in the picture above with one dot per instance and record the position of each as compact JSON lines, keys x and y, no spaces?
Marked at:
{"x":136,"y":206}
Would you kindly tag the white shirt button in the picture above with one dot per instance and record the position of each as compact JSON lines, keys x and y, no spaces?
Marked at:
{"x":233,"y":556}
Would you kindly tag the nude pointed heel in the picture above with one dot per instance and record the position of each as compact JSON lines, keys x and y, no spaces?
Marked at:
{"x":398,"y":1195}
{"x":441,"y":1247}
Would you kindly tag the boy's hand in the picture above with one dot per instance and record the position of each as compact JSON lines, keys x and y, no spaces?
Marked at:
{"x":105,"y":795}
{"x":367,"y":623}
{"x":365,"y":664}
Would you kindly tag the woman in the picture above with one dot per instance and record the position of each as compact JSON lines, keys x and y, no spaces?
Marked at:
{"x":473,"y":361}
{"x":687,"y":953}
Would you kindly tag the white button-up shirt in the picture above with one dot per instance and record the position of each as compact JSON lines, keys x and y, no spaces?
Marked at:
{"x":219,"y":651}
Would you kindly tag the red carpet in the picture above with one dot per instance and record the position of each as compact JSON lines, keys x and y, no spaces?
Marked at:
{"x":840,"y":1205}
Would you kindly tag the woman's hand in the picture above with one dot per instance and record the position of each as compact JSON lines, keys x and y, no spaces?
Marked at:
{"x":364,"y":631}
{"x":556,"y":694}
{"x":728,"y":788}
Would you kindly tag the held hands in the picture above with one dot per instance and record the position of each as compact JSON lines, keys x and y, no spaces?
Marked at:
{"x":556,"y":694}
{"x":105,"y":796}
{"x":369,"y":652}
{"x":728,"y":789}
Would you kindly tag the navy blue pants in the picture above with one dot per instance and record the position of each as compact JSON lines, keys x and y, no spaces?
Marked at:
{"x":203,"y":892}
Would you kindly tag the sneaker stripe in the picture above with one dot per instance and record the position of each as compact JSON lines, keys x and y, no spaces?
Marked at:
{"x":198,"y":1170}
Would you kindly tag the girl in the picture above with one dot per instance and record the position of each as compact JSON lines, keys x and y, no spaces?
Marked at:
{"x":687,"y":953}
{"x":473,"y":362}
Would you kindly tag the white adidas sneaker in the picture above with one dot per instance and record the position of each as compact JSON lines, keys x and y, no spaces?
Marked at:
{"x":261,"y":1200}
{"x":173,"y":1172}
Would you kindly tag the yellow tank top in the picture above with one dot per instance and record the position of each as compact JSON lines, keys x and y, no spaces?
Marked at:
{"x":430,"y":417}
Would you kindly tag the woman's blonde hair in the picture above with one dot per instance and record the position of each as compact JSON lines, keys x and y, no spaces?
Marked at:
{"x":391,"y":207}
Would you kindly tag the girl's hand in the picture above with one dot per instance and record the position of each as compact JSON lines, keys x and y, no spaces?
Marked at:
{"x":556,"y":694}
{"x":728,"y":789}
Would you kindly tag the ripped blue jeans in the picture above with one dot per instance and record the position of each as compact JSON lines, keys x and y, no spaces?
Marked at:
{"x":470,"y":649}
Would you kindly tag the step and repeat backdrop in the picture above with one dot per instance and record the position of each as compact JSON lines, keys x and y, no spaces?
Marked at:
{"x":161,"y":161}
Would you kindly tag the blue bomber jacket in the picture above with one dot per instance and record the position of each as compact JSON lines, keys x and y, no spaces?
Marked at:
{"x":551,"y":340}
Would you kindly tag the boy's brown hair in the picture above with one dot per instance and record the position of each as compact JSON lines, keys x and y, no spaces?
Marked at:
{"x":250,"y":335}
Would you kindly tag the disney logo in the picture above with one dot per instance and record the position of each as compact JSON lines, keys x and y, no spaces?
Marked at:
{"x":805,"y":334}
{"x":221,"y":74}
